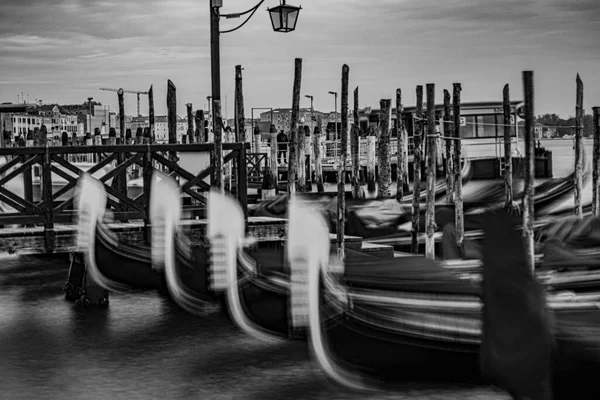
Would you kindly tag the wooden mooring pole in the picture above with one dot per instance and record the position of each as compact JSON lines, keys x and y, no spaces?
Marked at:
{"x":240,"y":134}
{"x":357,"y":192}
{"x":317,"y":146}
{"x":151,"y":114}
{"x":121,"y":178}
{"x":121,"y":115}
{"x":371,"y":146}
{"x":450,"y":174}
{"x":458,"y":198}
{"x":190,"y":121}
{"x":341,"y":210}
{"x":509,"y":204}
{"x":417,"y":136}
{"x":596,"y":161}
{"x":199,"y":120}
{"x":228,"y":137}
{"x":431,"y":173}
{"x":293,"y":146}
{"x":301,"y":154}
{"x":402,"y":156}
{"x":578,"y":146}
{"x":385,"y":169}
{"x":529,"y":190}
{"x":218,"y":149}
{"x":273,"y":150}
{"x":172,"y":117}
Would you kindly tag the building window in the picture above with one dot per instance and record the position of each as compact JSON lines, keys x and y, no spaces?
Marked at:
{"x":486,"y":126}
{"x":467,"y":129}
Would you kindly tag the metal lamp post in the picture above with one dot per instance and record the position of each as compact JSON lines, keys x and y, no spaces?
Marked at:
{"x":283,"y":19}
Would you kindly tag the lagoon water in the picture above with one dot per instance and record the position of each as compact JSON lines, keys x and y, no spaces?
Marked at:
{"x":143,"y":347}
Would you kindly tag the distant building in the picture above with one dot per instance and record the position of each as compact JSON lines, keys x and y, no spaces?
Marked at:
{"x":161,"y":127}
{"x":282,"y":118}
{"x":73,"y":119}
{"x":543,"y":131}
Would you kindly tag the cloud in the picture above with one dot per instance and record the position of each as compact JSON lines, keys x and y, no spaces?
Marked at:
{"x":67,"y":47}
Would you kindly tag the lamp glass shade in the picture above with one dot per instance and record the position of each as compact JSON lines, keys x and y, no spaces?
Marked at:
{"x":284,"y":17}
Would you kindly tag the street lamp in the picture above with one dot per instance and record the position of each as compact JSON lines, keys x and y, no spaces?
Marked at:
{"x":336,"y":117}
{"x":308,"y":96}
{"x":283,"y":18}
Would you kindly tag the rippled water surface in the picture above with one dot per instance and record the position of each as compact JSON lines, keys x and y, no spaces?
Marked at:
{"x":144,"y":347}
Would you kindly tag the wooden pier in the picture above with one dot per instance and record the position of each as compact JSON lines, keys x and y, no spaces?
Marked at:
{"x":44,"y":223}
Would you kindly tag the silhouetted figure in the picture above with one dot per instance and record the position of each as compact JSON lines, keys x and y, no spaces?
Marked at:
{"x":282,"y":145}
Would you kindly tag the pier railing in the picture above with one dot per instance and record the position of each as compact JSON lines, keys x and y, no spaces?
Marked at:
{"x":49,"y":199}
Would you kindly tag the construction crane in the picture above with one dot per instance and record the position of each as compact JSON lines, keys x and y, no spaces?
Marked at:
{"x":129,"y":91}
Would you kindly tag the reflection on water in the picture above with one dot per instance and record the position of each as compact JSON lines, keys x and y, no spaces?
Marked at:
{"x":144,"y":347}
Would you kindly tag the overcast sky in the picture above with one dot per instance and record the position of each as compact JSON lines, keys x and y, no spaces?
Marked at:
{"x":65,"y":50}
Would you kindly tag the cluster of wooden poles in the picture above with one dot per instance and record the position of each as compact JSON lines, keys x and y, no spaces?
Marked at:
{"x":425,"y":130}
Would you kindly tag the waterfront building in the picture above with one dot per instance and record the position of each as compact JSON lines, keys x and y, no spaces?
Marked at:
{"x":161,"y":127}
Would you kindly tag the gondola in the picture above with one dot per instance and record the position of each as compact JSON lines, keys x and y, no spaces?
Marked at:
{"x":277,"y":207}
{"x":119,"y":266}
{"x":388,"y":220}
{"x":252,"y":280}
{"x":418,"y":321}
{"x":258,"y":283}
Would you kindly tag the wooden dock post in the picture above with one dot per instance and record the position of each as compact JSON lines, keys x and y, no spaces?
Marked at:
{"x":112,"y":136}
{"x":459,"y":219}
{"x":273,"y":150}
{"x":139,"y":135}
{"x":357,"y":192}
{"x":301,"y":185}
{"x":371,"y":146}
{"x":227,"y":138}
{"x":308,"y":158}
{"x":509,"y":204}
{"x":596,"y":162}
{"x":431,"y":159}
{"x":450,"y":173}
{"x":317,"y":146}
{"x":293,"y":146}
{"x":121,"y":178}
{"x":240,"y":134}
{"x":402,"y":156}
{"x":341,"y":209}
{"x":190,"y":121}
{"x":417,"y":136}
{"x":385,"y":168}
{"x":151,"y":121}
{"x":198,"y":120}
{"x":172,"y":117}
{"x":529,"y":190}
{"x":217,"y":177}
{"x":121,"y":114}
{"x":578,"y":146}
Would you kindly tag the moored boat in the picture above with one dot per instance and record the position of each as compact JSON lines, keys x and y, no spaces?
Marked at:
{"x":120,"y":266}
{"x":418,"y":321}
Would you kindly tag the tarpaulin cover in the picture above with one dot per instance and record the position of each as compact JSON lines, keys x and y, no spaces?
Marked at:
{"x":517,"y":340}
